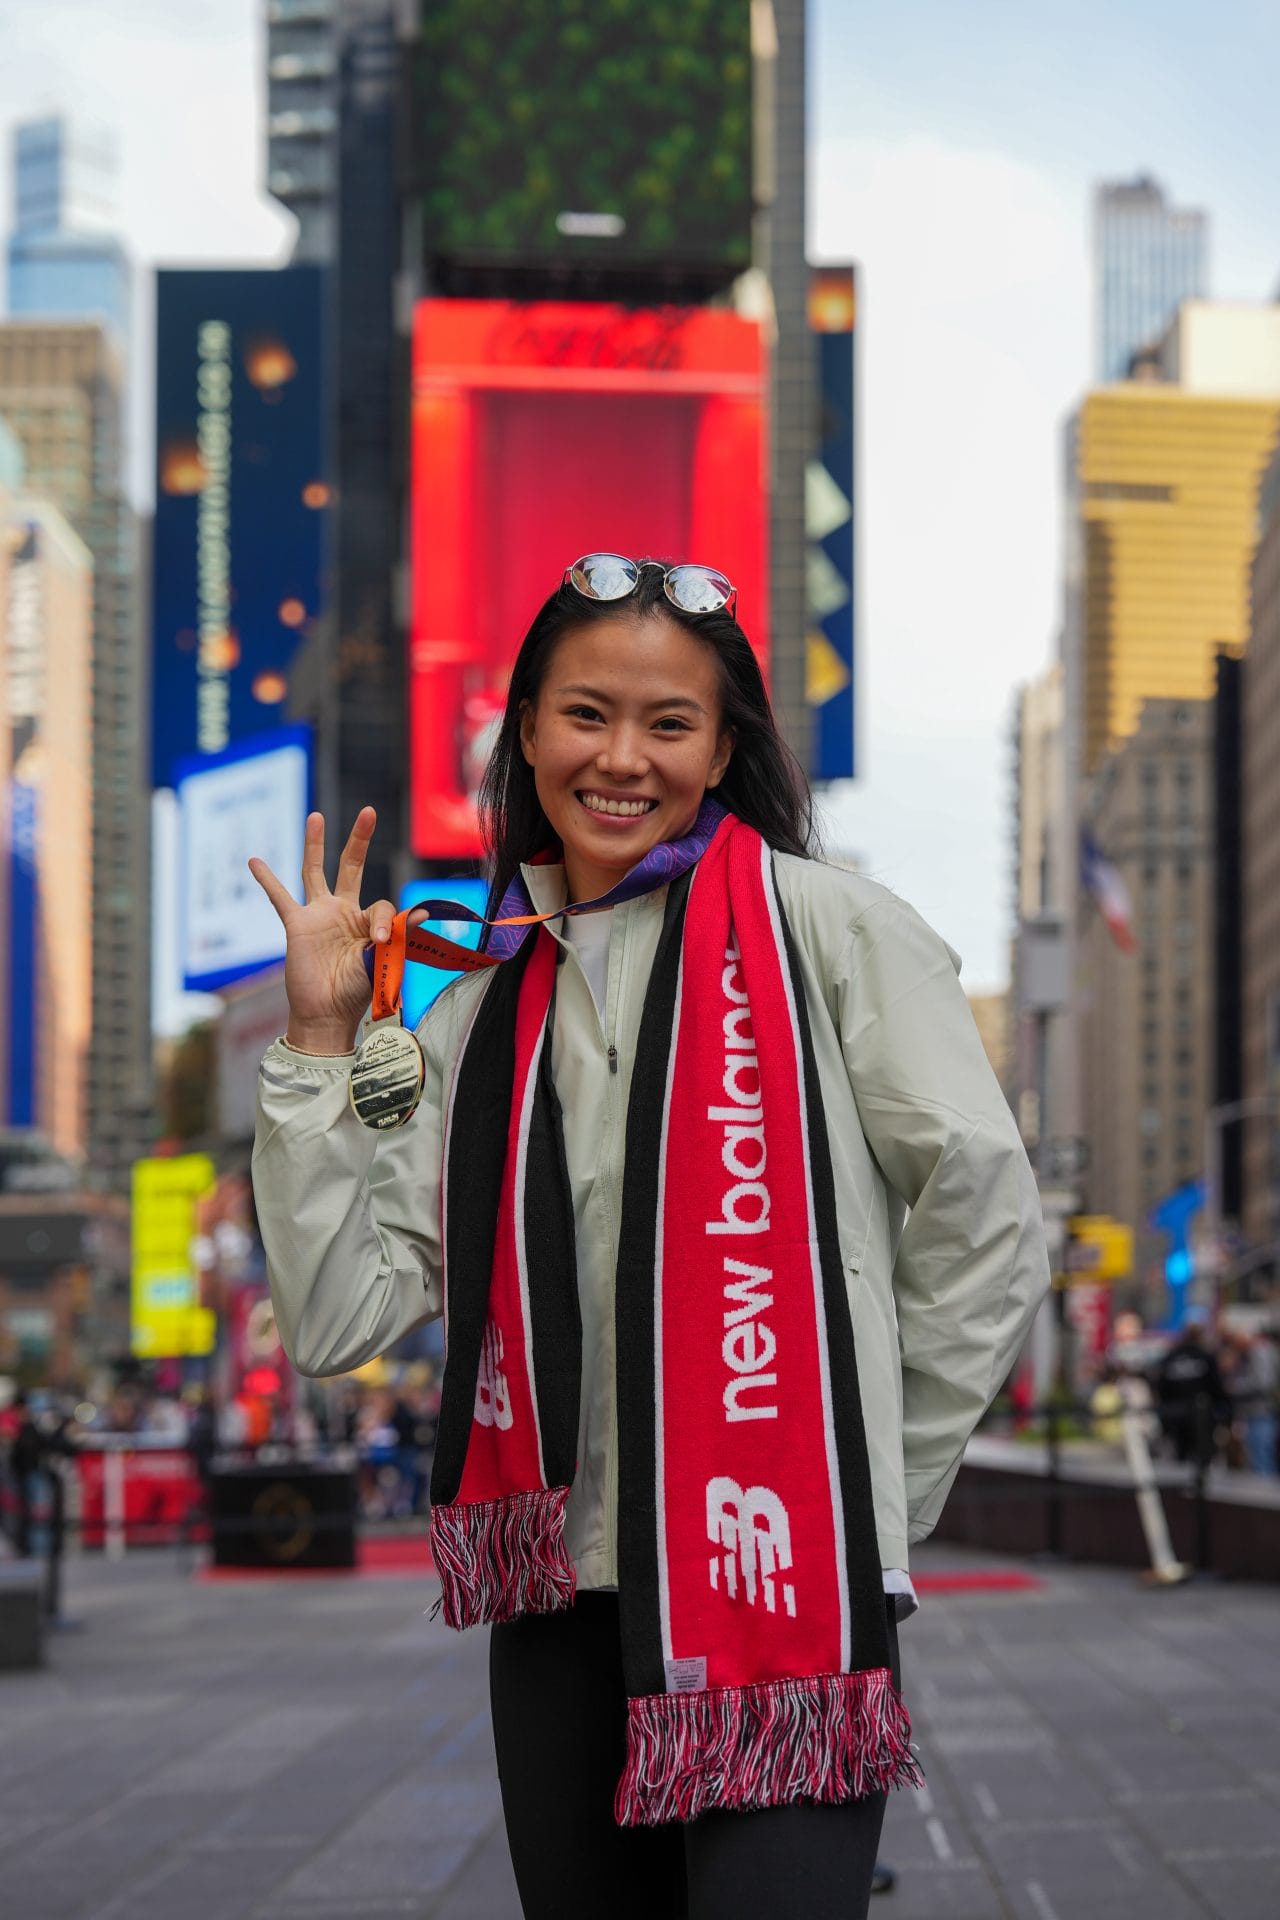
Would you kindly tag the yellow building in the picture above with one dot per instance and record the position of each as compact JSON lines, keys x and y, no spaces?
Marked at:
{"x":1167,"y":470}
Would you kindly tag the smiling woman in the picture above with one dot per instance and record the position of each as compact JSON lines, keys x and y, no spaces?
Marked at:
{"x":670,"y":1126}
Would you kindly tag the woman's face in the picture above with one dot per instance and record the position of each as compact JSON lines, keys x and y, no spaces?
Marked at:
{"x":624,"y":739}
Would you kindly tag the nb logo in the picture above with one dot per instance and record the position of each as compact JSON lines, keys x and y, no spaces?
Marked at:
{"x":493,"y":1396}
{"x":752,"y":1531}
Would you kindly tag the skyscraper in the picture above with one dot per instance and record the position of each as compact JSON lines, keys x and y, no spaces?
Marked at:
{"x":1164,"y":487}
{"x":60,"y":392}
{"x":64,"y":260}
{"x":302,"y":120}
{"x":1148,"y":258}
{"x":46,"y":580}
{"x":1147,"y":1026}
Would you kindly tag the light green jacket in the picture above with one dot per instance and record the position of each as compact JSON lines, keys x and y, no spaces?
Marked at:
{"x":939,"y":1218}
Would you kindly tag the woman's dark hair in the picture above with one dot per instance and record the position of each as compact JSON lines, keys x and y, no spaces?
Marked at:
{"x":764,"y":783}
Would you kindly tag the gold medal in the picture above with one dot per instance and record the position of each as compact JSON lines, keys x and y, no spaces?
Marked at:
{"x":387,"y":1076}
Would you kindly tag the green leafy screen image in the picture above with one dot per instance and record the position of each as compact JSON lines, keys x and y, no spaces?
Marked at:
{"x":592,"y":130}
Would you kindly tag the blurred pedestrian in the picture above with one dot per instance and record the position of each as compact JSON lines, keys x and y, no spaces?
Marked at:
{"x":1254,"y":1383}
{"x":1191,"y":1396}
{"x":661,"y":1176}
{"x":26,"y":1454}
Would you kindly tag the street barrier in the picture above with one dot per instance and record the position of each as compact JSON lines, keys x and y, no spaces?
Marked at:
{"x":1037,"y":1494}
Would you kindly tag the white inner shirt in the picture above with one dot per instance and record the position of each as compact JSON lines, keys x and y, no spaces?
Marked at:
{"x":588,"y":935}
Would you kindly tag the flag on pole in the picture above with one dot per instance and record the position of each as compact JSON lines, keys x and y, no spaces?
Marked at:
{"x":1102,"y":879}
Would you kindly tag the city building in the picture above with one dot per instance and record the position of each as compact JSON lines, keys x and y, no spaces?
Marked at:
{"x":781,"y":192}
{"x":1163,"y":480}
{"x":302,"y":120}
{"x":64,"y":259}
{"x":1147,"y":1025}
{"x":60,"y":391}
{"x":1260,"y":806}
{"x":991,"y":1013}
{"x":1148,"y":257}
{"x":46,"y":607}
{"x":1041,"y":1065}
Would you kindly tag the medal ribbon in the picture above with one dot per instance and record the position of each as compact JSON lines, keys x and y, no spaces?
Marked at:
{"x":514,"y":918}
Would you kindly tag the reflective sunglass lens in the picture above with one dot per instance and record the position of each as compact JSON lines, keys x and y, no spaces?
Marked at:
{"x":605,"y":576}
{"x":698,"y":589}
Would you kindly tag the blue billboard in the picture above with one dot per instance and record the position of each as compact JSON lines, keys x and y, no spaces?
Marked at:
{"x":242,"y":493}
{"x":251,"y":799}
{"x":831,"y":515}
{"x":423,"y":985}
{"x":24,"y":664}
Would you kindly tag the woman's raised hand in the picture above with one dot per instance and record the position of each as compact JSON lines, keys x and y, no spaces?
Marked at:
{"x":324,"y":970}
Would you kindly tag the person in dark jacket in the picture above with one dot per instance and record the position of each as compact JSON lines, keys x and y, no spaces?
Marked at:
{"x":1191,"y":1395}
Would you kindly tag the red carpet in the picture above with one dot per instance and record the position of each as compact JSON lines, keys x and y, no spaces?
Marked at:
{"x":1003,"y":1580}
{"x":398,"y":1556}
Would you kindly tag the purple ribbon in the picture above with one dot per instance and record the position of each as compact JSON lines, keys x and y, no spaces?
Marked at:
{"x":659,"y":867}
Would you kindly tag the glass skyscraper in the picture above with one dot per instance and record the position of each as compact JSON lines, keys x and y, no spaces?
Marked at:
{"x":64,"y":260}
{"x":1148,"y":258}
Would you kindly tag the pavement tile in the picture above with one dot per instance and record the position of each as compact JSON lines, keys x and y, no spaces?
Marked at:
{"x":1234,"y":1885}
{"x":321,"y":1751}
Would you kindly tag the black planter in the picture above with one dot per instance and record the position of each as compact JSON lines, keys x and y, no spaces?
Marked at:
{"x":283,"y":1517}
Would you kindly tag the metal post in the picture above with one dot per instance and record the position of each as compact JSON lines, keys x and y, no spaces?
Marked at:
{"x":1202,"y":1443}
{"x":1053,"y":1481}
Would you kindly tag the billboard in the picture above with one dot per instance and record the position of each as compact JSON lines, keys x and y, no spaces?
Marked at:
{"x":618,"y":139}
{"x":241,"y":493}
{"x":830,"y":515}
{"x":542,"y":432}
{"x":424,"y":985}
{"x":166,"y":1320}
{"x":46,"y":811}
{"x":251,"y":799}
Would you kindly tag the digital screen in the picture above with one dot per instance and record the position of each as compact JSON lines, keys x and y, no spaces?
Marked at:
{"x":831,"y":517}
{"x":423,"y":985}
{"x":543,"y":431}
{"x":252,"y":800}
{"x":611,"y":135}
{"x":241,"y":500}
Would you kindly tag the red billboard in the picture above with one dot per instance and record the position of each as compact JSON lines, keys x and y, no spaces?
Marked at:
{"x":542,"y":432}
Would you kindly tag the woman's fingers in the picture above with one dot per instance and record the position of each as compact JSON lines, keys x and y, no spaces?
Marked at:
{"x":277,"y":893}
{"x":381,"y":914}
{"x":351,"y":865}
{"x":314,"y":884}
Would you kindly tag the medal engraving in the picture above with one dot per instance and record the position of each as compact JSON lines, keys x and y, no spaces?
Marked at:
{"x":387,"y":1076}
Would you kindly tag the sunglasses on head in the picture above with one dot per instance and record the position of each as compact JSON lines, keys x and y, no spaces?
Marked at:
{"x":690,"y":588}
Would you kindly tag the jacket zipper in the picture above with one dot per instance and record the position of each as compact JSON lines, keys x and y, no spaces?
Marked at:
{"x":613,"y":1059}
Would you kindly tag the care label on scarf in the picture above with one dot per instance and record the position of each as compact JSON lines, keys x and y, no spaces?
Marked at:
{"x":688,"y":1675}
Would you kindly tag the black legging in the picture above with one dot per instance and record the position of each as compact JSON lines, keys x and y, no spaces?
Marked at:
{"x":559,"y":1725}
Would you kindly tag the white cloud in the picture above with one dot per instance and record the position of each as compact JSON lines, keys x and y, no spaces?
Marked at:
{"x":973,"y":343}
{"x":181,"y":89}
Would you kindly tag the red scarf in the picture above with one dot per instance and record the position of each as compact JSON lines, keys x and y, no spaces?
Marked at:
{"x":755,"y":1640}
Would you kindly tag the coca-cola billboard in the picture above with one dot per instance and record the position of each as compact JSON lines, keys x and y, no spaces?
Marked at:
{"x":543,"y":431}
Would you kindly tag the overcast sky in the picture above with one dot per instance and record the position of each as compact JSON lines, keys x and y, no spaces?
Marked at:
{"x":953,"y":152}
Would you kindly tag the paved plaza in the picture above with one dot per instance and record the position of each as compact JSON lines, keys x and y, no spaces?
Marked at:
{"x":318,"y":1749}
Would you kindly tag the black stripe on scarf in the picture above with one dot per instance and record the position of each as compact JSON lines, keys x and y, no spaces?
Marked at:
{"x":477,"y":1159}
{"x":642,"y":1656}
{"x":869,"y":1633}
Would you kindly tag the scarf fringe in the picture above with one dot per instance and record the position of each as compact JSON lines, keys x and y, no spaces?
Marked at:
{"x":500,"y":1558}
{"x":830,"y":1737}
